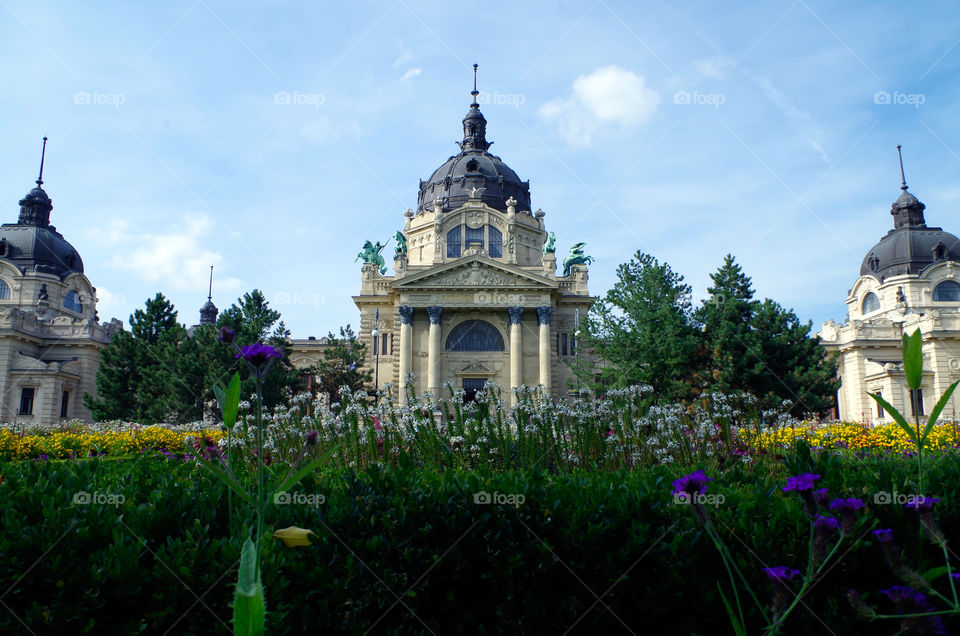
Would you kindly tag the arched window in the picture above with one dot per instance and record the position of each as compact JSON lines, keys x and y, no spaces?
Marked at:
{"x":4,"y":290}
{"x":72,"y":302}
{"x":474,"y":237}
{"x":947,"y":291}
{"x":474,"y":335}
{"x":496,"y":243}
{"x":870,"y":303}
{"x":453,"y":243}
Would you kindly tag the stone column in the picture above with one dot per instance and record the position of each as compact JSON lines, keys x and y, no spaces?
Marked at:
{"x":433,"y":351}
{"x":406,"y":349}
{"x":543,"y":318}
{"x":516,"y":350}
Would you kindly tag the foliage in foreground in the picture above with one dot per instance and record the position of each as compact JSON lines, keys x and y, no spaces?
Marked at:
{"x":399,"y":548}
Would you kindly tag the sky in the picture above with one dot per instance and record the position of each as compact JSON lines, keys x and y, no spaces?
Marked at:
{"x":272,"y":139}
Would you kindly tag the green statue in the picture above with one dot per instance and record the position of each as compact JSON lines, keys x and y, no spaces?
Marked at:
{"x":576,"y":257}
{"x":550,"y":245}
{"x":401,"y":245}
{"x":371,"y":255}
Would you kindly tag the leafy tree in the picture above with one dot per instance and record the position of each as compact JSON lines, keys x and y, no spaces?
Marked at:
{"x":342,"y":365}
{"x":643,"y":331}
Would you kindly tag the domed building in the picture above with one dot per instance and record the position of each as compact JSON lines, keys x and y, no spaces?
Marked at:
{"x":474,"y":296}
{"x":909,"y":280}
{"x":50,"y":336}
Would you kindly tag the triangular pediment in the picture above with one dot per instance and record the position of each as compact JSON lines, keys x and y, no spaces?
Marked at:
{"x":476,"y":271}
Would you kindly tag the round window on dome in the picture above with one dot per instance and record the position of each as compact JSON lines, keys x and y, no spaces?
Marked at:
{"x":870,"y":303}
{"x":472,"y":165}
{"x":947,"y":291}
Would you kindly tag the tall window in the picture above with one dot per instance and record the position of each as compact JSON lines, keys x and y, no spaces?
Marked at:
{"x":64,"y":403}
{"x":496,"y":243}
{"x":870,"y":303}
{"x":474,"y":335}
{"x":453,"y":243}
{"x":383,"y":344}
{"x":474,"y":237}
{"x":916,"y":402}
{"x":72,"y":302}
{"x":26,"y":401}
{"x":948,"y":291}
{"x":4,"y":291}
{"x":879,"y":408}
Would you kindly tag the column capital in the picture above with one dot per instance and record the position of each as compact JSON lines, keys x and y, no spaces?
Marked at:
{"x":543,"y":315}
{"x":516,"y":314}
{"x":434,"y":312}
{"x":406,"y":314}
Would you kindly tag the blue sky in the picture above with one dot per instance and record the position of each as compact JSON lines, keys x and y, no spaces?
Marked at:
{"x":684,"y":129}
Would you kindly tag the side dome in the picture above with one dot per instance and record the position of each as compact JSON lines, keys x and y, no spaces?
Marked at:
{"x":911,"y":246}
{"x":474,"y":173}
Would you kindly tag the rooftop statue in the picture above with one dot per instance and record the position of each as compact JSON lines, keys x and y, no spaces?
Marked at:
{"x":576,"y":257}
{"x":401,"y":245}
{"x":550,"y":245}
{"x":371,"y":255}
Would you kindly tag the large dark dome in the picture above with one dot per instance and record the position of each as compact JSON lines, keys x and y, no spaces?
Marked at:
{"x":911,"y":246}
{"x":474,"y":167}
{"x":35,"y":245}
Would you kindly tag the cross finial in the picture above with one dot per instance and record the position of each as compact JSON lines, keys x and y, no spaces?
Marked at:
{"x":43,"y":153}
{"x":903,"y":179}
{"x":210,"y":291}
{"x":474,"y":92}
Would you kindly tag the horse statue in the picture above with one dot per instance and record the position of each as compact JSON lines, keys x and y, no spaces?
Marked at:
{"x":550,"y":245}
{"x":576,"y":257}
{"x":371,"y":255}
{"x":401,"y":249}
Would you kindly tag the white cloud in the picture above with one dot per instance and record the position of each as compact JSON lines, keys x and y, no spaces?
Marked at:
{"x":409,"y":75}
{"x":176,"y":259}
{"x":608,"y":97}
{"x":712,"y":67}
{"x":405,"y":56}
{"x":797,"y":117}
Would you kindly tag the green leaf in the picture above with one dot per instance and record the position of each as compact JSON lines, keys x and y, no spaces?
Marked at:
{"x":895,"y":414}
{"x":294,"y":478}
{"x":934,"y":573}
{"x":734,"y":621}
{"x":913,"y":359}
{"x":249,"y":605}
{"x":226,"y":478}
{"x":935,"y":413}
{"x":231,"y":403}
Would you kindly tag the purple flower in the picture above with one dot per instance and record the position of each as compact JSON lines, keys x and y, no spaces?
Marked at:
{"x":826,"y":524}
{"x":843,"y":505}
{"x":781,"y":574}
{"x":227,"y":334}
{"x":258,"y":353}
{"x":884,"y":536}
{"x":821,"y":497}
{"x":694,"y":483}
{"x":313,"y":438}
{"x":900,"y":593}
{"x":800,"y":483}
{"x":922,"y":504}
{"x":956,"y":575}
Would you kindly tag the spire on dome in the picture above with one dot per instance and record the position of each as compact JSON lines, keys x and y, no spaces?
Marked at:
{"x":36,"y":206}
{"x":907,"y":210}
{"x":209,"y":311}
{"x":474,"y":124}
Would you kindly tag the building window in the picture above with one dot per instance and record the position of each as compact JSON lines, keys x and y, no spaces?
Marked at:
{"x":72,"y":302}
{"x":453,"y":243}
{"x":474,"y":335}
{"x":474,"y":237}
{"x":496,"y":243}
{"x":64,"y":403}
{"x":470,"y":388}
{"x":916,"y":403}
{"x":947,"y":291}
{"x":26,"y":401}
{"x":879,"y":408}
{"x":383,"y":344}
{"x":4,"y":290}
{"x":870,"y":303}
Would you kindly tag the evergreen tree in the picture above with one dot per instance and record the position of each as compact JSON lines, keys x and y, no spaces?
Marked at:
{"x":642,"y":329}
{"x":342,"y":365}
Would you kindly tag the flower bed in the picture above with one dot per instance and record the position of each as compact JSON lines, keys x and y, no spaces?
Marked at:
{"x":883,"y":438}
{"x":79,"y":441}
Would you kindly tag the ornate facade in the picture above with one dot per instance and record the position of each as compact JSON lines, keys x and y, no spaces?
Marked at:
{"x":909,"y":280}
{"x":50,"y":336}
{"x":475,"y":295}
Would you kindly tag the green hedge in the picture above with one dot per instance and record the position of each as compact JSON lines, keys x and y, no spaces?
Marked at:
{"x":458,"y":566}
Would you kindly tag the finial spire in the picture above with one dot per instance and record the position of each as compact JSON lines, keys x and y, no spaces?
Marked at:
{"x":474,"y":92}
{"x":903,"y":179}
{"x":210,"y":291}
{"x":43,"y":154}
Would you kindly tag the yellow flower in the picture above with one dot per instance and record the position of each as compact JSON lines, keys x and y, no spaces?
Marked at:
{"x":294,"y":536}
